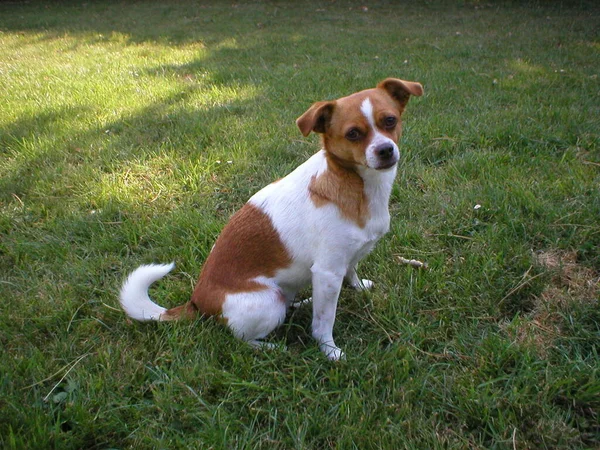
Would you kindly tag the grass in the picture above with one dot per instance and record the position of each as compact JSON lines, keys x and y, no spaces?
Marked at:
{"x":130,"y":132}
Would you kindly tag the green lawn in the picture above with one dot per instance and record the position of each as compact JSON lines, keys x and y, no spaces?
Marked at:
{"x":131,"y":131}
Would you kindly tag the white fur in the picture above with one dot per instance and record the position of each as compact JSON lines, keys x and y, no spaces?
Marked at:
{"x":324,"y":247}
{"x":378,"y":139}
{"x":253,"y":315}
{"x":134,"y":293}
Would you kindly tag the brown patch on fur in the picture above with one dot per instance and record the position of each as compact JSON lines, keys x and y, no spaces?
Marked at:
{"x":186,"y":311}
{"x":401,"y":90}
{"x":321,"y":116}
{"x":343,"y":187}
{"x":248,"y":247}
{"x":347,"y":115}
{"x":315,"y":118}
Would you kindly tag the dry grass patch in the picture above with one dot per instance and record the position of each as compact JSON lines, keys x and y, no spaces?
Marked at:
{"x":570,"y":284}
{"x":571,"y":281}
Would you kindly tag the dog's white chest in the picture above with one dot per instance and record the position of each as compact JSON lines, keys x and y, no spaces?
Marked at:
{"x":311,"y":232}
{"x":378,"y":188}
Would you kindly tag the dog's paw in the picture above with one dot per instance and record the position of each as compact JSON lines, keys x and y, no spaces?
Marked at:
{"x":333,"y":353}
{"x":363,"y":285}
{"x":301,"y":303}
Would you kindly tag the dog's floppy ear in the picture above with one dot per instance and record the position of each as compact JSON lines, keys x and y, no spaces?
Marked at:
{"x":316,"y":118}
{"x":401,"y":90}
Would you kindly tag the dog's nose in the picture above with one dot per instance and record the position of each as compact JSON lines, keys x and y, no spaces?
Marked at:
{"x":385,"y":152}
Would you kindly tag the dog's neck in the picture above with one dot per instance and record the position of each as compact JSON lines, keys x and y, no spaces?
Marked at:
{"x":358,"y":191}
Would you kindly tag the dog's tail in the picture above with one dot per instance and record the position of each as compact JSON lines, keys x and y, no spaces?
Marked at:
{"x":138,"y":305}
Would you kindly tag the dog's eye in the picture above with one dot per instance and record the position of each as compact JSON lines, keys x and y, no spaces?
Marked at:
{"x":390,"y":122}
{"x":354,"y":134}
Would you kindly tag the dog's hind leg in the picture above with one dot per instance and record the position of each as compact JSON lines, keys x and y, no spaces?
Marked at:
{"x":357,"y":283}
{"x":251,"y":316}
{"x":351,"y":276}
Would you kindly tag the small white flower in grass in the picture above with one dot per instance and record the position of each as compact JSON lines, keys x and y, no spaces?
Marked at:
{"x":218,"y":161}
{"x":476,"y":207}
{"x":229,"y":162}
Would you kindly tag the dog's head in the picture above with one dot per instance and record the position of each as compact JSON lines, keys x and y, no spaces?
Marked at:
{"x":363,"y":128}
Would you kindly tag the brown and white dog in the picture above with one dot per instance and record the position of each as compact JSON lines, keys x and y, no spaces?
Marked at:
{"x":313,"y":226}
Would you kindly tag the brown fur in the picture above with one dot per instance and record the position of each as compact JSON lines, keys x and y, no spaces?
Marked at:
{"x":186,"y":311}
{"x":401,"y":90}
{"x":248,"y":247}
{"x":343,"y":187}
{"x":340,"y":184}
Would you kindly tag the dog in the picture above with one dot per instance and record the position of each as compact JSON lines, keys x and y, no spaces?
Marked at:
{"x":313,"y":226}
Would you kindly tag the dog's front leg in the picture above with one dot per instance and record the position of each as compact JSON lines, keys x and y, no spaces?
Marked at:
{"x":326,"y":290}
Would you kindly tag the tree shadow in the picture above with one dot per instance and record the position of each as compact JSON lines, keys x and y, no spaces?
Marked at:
{"x":165,"y":23}
{"x":39,"y":138}
{"x":66,"y":214}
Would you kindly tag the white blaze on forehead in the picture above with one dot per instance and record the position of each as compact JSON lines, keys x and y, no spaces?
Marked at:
{"x":378,"y":138}
{"x":367,"y":109}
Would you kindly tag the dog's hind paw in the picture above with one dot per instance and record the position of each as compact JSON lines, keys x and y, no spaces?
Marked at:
{"x":363,"y":285}
{"x":301,"y":303}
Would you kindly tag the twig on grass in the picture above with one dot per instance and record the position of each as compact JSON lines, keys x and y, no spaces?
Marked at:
{"x":412,"y":262}
{"x":18,"y":199}
{"x":457,"y":236}
{"x":112,"y":307}
{"x":156,"y":196}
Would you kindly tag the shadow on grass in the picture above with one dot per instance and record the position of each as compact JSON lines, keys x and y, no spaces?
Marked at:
{"x":66,"y":168}
{"x":67,"y":153}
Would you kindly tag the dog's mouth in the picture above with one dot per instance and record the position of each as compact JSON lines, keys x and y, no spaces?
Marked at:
{"x":383,"y":156}
{"x":386,"y":165}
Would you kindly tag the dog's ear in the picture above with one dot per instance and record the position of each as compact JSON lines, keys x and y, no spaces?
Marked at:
{"x":401,"y":90}
{"x":316,"y":118}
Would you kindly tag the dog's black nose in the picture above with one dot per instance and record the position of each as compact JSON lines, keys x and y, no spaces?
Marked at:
{"x":385,"y":152}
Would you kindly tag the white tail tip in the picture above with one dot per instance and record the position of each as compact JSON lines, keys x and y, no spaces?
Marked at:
{"x":134,"y":292}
